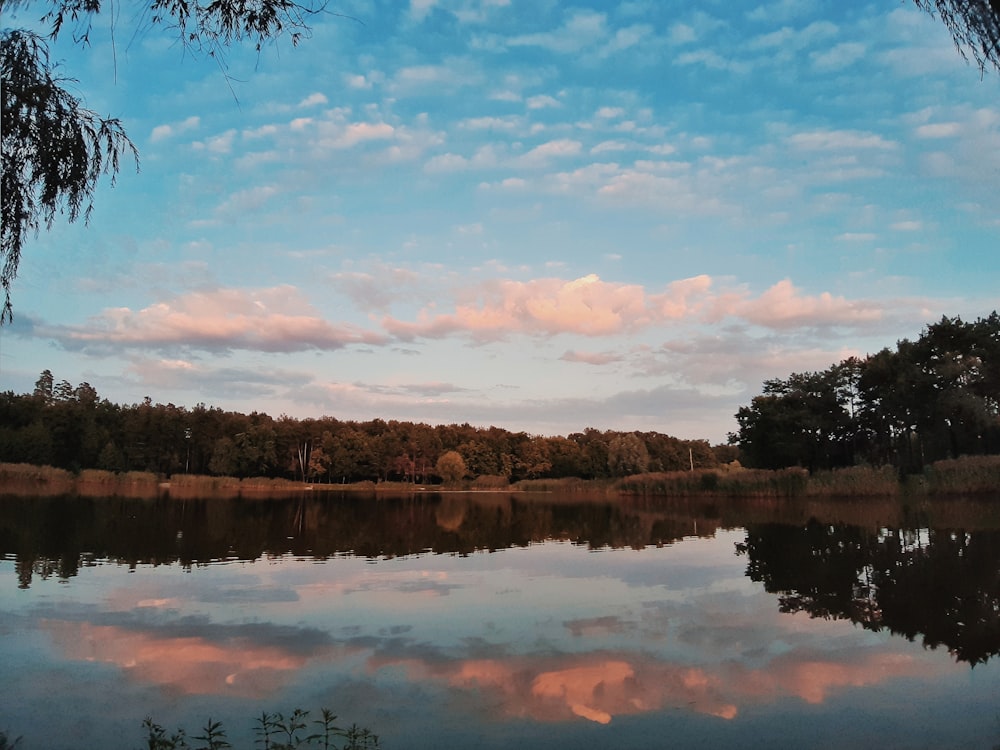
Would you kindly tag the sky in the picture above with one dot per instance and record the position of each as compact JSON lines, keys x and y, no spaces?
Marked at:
{"x":534,"y":214}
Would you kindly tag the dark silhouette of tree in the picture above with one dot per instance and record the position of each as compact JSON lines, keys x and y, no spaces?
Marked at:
{"x":974,"y":25}
{"x":936,"y":585}
{"x":55,"y":149}
{"x":931,"y":399}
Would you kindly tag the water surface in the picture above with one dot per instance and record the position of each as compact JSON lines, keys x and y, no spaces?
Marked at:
{"x":457,"y":621}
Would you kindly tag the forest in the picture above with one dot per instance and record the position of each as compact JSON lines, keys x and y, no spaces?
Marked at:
{"x":73,"y":428}
{"x":931,"y":399}
{"x":928,"y":400}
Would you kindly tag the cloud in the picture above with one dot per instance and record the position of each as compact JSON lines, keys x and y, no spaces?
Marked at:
{"x":783,"y":307}
{"x":590,"y":358}
{"x":225,"y":660}
{"x":449,"y":76}
{"x":542,"y":155}
{"x":446,"y":163}
{"x":218,"y":144}
{"x":245,"y":202}
{"x":162,"y":132}
{"x":939,"y":130}
{"x":236,"y":382}
{"x":782,"y":11}
{"x":626,"y":38}
{"x":712,"y":60}
{"x":581,"y":30}
{"x":376,"y":289}
{"x":542,"y":101}
{"x":585,"y":306}
{"x":589,"y":306}
{"x":839,"y":140}
{"x":313,"y":100}
{"x":274,"y":319}
{"x":838,"y":57}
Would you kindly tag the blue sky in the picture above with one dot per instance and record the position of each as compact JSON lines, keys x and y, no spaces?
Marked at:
{"x":537,"y":215}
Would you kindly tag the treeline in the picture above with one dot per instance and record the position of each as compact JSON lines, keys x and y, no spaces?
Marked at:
{"x":931,"y":399}
{"x":73,"y":428}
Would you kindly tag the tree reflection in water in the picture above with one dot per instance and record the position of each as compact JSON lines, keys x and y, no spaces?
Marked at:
{"x":882,"y":570}
{"x":941,"y":585}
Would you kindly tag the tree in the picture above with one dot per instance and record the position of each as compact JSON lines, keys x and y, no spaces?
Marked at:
{"x":974,"y":25}
{"x":43,"y":386}
{"x":55,"y":149}
{"x":627,"y":454}
{"x":451,"y":467}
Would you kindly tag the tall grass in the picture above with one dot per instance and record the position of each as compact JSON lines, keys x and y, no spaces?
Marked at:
{"x":273,"y":732}
{"x":855,"y":481}
{"x":570,"y":485}
{"x":964,"y":475}
{"x":730,"y":483}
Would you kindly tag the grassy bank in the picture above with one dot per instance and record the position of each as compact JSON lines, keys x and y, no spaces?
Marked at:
{"x":966,"y":476}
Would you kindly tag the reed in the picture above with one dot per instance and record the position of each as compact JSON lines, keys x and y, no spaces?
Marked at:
{"x":730,"y":483}
{"x":36,"y":474}
{"x":568,"y":485}
{"x":273,"y":732}
{"x":855,"y":481}
{"x":963,"y":475}
{"x":267,"y":484}
{"x":491,"y":482}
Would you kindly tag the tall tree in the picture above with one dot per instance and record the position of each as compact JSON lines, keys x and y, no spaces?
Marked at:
{"x":55,"y":150}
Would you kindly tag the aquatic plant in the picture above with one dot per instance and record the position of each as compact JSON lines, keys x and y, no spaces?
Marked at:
{"x":273,"y":731}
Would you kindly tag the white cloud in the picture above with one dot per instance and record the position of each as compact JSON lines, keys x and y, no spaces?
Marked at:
{"x":162,"y":132}
{"x":581,"y":30}
{"x":610,"y":113}
{"x":313,"y":100}
{"x":542,"y":101}
{"x":542,"y":155}
{"x":839,"y":140}
{"x":939,"y":130}
{"x":839,"y":56}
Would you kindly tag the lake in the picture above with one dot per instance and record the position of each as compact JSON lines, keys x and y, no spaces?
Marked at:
{"x":504,"y":620}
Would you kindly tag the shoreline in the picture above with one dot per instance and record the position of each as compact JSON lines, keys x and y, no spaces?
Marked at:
{"x":973,"y":475}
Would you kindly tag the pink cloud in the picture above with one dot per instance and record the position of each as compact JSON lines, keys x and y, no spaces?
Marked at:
{"x":783,"y":306}
{"x":590,"y":358}
{"x":586,"y":306}
{"x":589,"y":306}
{"x":275,"y":319}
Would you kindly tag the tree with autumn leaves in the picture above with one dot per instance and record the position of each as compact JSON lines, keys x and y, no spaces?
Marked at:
{"x":73,"y":428}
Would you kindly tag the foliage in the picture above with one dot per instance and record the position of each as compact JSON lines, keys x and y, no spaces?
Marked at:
{"x":451,"y":467}
{"x":974,"y":25}
{"x":939,"y":584}
{"x":55,"y":150}
{"x":931,"y":399}
{"x":72,"y":428}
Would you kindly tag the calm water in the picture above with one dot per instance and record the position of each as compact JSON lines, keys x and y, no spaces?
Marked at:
{"x":500,"y":621}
